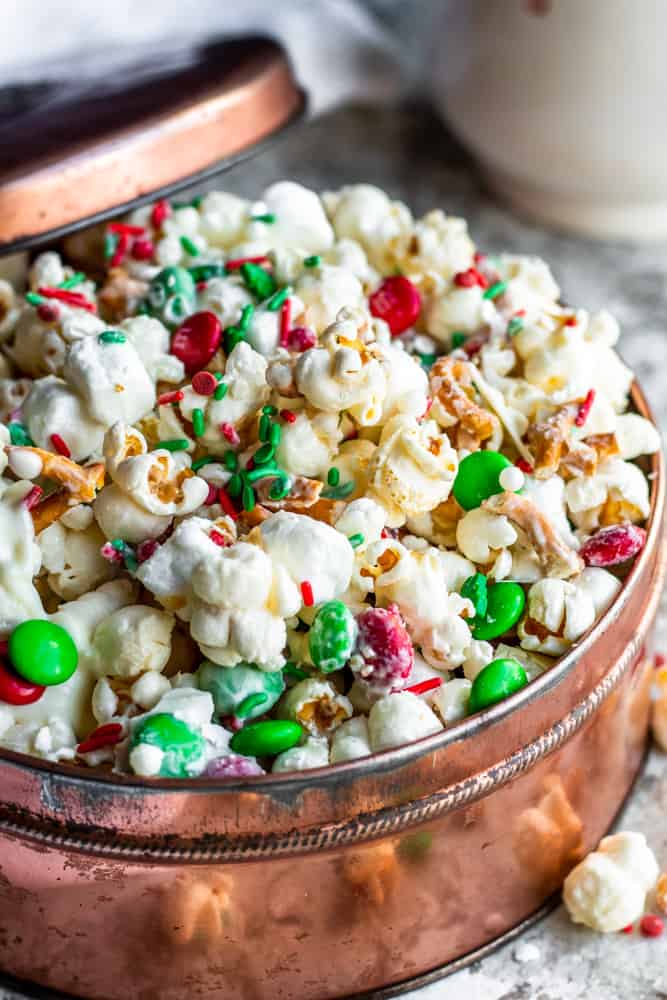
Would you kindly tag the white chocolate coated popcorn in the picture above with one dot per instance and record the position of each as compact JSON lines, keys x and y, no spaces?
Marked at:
{"x":313,"y":753}
{"x":400,"y":718}
{"x":607,"y":890}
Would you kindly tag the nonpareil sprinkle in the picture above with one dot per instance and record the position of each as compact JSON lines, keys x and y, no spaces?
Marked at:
{"x":313,"y":261}
{"x":230,"y":461}
{"x":356,"y":540}
{"x":307,"y":593}
{"x":227,"y":504}
{"x":170,"y":397}
{"x":198,"y":422}
{"x":276,"y":301}
{"x":60,"y":446}
{"x":585,"y":409}
{"x":230,"y":433}
{"x":515,"y":326}
{"x":267,"y":217}
{"x":189,"y":246}
{"x":495,"y":290}
{"x":220,"y":392}
{"x":289,"y":416}
{"x":112,"y":337}
{"x":246,"y":315}
{"x":75,"y":279}
{"x":18,"y":435}
{"x":257,"y":280}
{"x":333,"y":476}
{"x":423,"y":686}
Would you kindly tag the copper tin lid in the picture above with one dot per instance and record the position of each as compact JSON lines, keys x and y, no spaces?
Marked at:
{"x":75,"y":152}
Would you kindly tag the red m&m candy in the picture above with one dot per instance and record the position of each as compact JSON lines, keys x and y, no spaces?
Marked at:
{"x":196,"y":340}
{"x":397,"y":302}
{"x":14,"y":690}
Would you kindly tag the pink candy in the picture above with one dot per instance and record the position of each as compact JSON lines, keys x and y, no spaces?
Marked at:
{"x":233,"y":766}
{"x":384,"y":644}
{"x":614,"y":545}
{"x":299,"y":338}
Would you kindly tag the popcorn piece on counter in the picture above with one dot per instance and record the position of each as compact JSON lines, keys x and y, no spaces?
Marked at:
{"x":607,"y":890}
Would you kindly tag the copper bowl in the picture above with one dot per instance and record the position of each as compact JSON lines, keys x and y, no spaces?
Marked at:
{"x":370,"y":876}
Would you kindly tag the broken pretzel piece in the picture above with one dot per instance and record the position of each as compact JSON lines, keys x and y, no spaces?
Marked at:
{"x":79,"y":483}
{"x":557,"y":558}
{"x":583,"y":458}
{"x":452,"y":385}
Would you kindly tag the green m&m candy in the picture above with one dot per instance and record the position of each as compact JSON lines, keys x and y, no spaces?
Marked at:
{"x":172,"y":295}
{"x":243,"y":690}
{"x":478,"y":478}
{"x":475,"y":589}
{"x":332,"y":636}
{"x":183,"y":748}
{"x":504,"y":606}
{"x":42,"y":652}
{"x":497,"y":681}
{"x":265,"y":739}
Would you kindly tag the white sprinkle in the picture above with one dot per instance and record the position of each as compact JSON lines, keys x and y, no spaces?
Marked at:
{"x":527,"y":952}
{"x":512,"y":479}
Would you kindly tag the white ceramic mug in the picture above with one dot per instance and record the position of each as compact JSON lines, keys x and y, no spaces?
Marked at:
{"x":564,"y":103}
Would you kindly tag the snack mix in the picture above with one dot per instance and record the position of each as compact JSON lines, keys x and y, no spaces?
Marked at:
{"x":291,"y":482}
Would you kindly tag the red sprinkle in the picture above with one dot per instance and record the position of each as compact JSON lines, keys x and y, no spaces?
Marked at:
{"x":143,"y":249}
{"x":234,"y":265}
{"x":32,"y":498}
{"x":75,"y":299}
{"x":300,"y":338}
{"x":212,"y":495}
{"x":479,"y":257}
{"x":47,"y":313}
{"x":307,"y":593}
{"x":202,"y":286}
{"x":123,"y":227}
{"x":170,"y":397}
{"x":111,"y":554}
{"x":60,"y":446}
{"x":659,"y":660}
{"x":230,"y":433}
{"x":227,"y":503}
{"x":525,"y":466}
{"x":122,"y":246}
{"x":571,"y":321}
{"x":628,"y":929}
{"x":398,"y":302}
{"x":288,"y":415}
{"x":651,"y":926}
{"x":161,"y":211}
{"x":14,"y":690}
{"x":219,"y":539}
{"x":519,"y":312}
{"x":104,"y":736}
{"x":585,"y":409}
{"x":196,"y":340}
{"x":429,"y":404}
{"x":146,"y":549}
{"x":474,"y":344}
{"x":204,"y":383}
{"x":430,"y":685}
{"x":285,"y":322}
{"x":613,"y":545}
{"x":470,"y":278}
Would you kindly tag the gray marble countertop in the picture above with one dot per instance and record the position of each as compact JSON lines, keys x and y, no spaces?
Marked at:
{"x":406,"y":151}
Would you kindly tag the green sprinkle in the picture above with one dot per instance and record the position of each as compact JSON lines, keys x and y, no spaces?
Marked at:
{"x":275,"y":434}
{"x":131,"y":563}
{"x":269,"y":410}
{"x":292,"y":670}
{"x":263,"y":472}
{"x":110,"y":244}
{"x":34,"y":299}
{"x":235,"y":485}
{"x":458,"y":340}
{"x":493,"y":291}
{"x":72,"y":282}
{"x":189,"y":247}
{"x":233,"y":336}
{"x":333,"y":476}
{"x":246,"y":316}
{"x":248,"y":498}
{"x":198,"y":422}
{"x":112,"y":337}
{"x":264,"y":454}
{"x":119,"y":545}
{"x":257,"y":280}
{"x":280,"y":488}
{"x":230,"y":461}
{"x":264,"y":427}
{"x":427,"y":360}
{"x":197,"y":200}
{"x":18,"y":434}
{"x":276,"y":301}
{"x":203,"y":272}
{"x":514,"y":326}
{"x":201,"y":462}
{"x":174,"y":444}
{"x":249,"y":703}
{"x":339,"y":492}
{"x":220,"y":392}
{"x":268,"y":217}
{"x":313,"y":261}
{"x":356,"y":540}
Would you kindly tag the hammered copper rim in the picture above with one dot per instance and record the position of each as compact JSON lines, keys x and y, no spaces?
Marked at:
{"x":192,"y":139}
